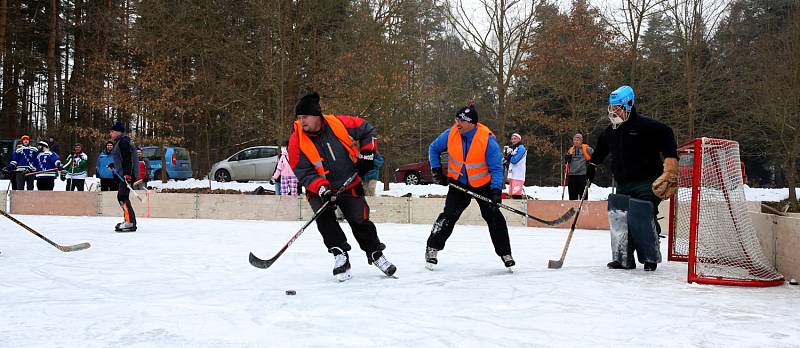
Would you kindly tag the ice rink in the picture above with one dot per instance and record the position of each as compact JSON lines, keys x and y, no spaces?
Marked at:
{"x":187,"y":283}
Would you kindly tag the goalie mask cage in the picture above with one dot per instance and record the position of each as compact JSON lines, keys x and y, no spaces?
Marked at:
{"x":709,"y":225}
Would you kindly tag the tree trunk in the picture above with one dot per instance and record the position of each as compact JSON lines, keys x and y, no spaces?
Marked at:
{"x":51,"y":66}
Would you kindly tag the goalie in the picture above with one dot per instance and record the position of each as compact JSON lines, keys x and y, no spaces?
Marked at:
{"x":645,"y":165}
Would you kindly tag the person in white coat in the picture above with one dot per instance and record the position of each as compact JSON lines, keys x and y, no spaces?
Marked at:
{"x":515,"y":157}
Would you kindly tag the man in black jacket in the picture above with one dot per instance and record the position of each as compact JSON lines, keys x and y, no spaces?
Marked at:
{"x":645,"y":166}
{"x":126,"y":171}
{"x":325,"y":151}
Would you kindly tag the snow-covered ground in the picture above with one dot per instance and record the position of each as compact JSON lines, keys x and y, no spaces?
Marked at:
{"x":187,"y":283}
{"x":397,"y":190}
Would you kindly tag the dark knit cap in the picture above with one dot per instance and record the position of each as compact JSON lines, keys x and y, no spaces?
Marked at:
{"x":118,"y":126}
{"x":308,"y":105}
{"x":468,"y":113}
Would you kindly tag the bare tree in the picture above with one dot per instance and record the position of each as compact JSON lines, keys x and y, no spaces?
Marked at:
{"x":500,"y":43}
{"x":627,"y":21}
{"x":695,"y":22}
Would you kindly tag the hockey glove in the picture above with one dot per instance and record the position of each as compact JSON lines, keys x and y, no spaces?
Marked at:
{"x":496,"y":196}
{"x":665,"y":185}
{"x":4,"y":171}
{"x":438,"y":176}
{"x":63,"y":176}
{"x":567,"y":158}
{"x":327,"y":195}
{"x":366,"y":161}
{"x":110,"y":166}
{"x":591,"y":170}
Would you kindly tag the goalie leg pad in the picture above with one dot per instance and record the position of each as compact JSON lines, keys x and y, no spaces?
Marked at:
{"x":643,"y":231}
{"x":621,"y":246}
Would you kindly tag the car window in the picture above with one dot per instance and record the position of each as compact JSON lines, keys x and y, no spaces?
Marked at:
{"x":181,"y":154}
{"x":267,"y":152}
{"x":151,"y":153}
{"x":248,"y":154}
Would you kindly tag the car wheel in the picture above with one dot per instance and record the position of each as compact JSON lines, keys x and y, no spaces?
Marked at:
{"x":412,"y":178}
{"x":222,"y":175}
{"x":242,"y":181}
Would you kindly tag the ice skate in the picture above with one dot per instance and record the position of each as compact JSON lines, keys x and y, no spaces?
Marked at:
{"x":650,"y":266}
{"x":125,"y":227}
{"x":341,"y":266}
{"x":508,"y":261}
{"x":379,"y":260}
{"x":430,"y":258}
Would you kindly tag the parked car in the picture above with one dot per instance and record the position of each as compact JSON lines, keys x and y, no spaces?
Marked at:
{"x":253,"y":163}
{"x":179,"y":162}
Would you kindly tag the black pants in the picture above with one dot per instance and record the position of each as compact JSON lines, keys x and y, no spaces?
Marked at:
{"x":575,"y":185}
{"x":45,"y":184}
{"x":123,"y":197}
{"x":454,"y":205}
{"x":356,"y":212}
{"x":23,"y":181}
{"x":108,"y":184}
{"x":75,"y":184}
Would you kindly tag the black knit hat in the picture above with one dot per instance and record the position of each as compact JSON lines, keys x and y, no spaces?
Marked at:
{"x":468,"y":113}
{"x":118,"y":126}
{"x":308,"y":105}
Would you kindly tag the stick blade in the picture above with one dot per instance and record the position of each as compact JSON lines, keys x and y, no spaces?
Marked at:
{"x":555,"y":264}
{"x":570,"y":213}
{"x":76,"y":247}
{"x":259,"y":263}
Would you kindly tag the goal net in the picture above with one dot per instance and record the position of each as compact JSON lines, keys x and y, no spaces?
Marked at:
{"x":709,"y":225}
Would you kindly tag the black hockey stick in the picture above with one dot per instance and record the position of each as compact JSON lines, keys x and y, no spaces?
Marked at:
{"x":556,"y":264}
{"x":64,"y":248}
{"x":256,"y":262}
{"x":558,"y":221}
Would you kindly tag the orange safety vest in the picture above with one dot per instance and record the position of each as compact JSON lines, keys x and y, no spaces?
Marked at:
{"x":339,"y":130}
{"x":585,"y":151}
{"x":477,"y":169}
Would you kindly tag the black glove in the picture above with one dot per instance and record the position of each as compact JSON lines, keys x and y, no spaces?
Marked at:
{"x":63,"y":176}
{"x":4,"y":170}
{"x":438,"y":176}
{"x":366,"y":161}
{"x":496,"y":196}
{"x":567,"y":158}
{"x":327,"y":194}
{"x":110,"y":166}
{"x":590,"y":171}
{"x":272,"y":181}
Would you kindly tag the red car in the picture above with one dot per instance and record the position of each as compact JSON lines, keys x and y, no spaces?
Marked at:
{"x":414,"y":173}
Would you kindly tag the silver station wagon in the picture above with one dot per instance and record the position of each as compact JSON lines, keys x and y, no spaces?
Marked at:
{"x":253,"y":163}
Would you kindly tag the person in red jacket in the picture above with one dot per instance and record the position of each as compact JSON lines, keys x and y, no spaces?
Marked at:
{"x":325,"y":151}
{"x":144,"y":170}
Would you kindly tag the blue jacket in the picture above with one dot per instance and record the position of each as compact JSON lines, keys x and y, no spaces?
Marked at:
{"x":24,"y":158}
{"x":375,"y":173}
{"x":494,"y":159}
{"x":47,"y":160}
{"x":521,"y":152}
{"x":102,"y":165}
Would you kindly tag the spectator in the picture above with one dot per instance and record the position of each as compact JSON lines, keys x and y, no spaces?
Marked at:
{"x":144,"y":171}
{"x":23,"y":161}
{"x":516,"y":155}
{"x":107,"y":180}
{"x":47,"y":164}
{"x":576,"y":166}
{"x":75,"y":168}
{"x":53,"y":145}
{"x":284,"y":174}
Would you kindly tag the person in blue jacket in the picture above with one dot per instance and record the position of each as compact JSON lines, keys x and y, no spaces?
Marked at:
{"x":475,"y":162}
{"x":48,"y":164}
{"x":23,"y":161}
{"x":107,"y":180}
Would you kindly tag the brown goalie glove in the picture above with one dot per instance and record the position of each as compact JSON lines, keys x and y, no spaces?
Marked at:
{"x":665,"y":185}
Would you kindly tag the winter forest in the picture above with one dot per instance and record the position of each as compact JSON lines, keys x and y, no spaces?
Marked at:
{"x":217,"y":76}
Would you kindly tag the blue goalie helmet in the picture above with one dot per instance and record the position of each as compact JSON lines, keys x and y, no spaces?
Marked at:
{"x":622,"y":96}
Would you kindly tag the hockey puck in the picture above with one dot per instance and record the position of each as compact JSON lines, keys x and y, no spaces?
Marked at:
{"x":793,"y":281}
{"x":291,"y":292}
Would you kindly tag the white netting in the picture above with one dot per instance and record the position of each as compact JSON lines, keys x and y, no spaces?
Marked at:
{"x":726,"y":245}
